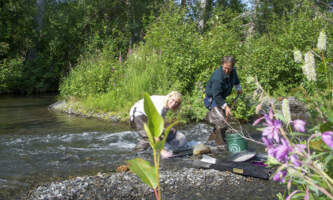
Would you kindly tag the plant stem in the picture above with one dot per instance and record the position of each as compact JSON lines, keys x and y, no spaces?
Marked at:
{"x":319,"y":188}
{"x":309,"y":180}
{"x":328,"y":77}
{"x":156,"y":161}
{"x":156,"y":194}
{"x":323,"y":174}
{"x":309,"y":140}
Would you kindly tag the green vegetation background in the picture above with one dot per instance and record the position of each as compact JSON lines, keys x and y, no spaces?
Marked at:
{"x":106,"y":54}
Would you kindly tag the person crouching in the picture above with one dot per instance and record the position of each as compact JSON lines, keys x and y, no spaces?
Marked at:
{"x":163,"y":104}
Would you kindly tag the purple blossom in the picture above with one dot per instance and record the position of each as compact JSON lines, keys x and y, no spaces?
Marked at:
{"x":327,"y":137}
{"x":299,"y":125}
{"x":267,"y":141}
{"x":295,"y":161}
{"x":282,"y":151}
{"x":257,"y":121}
{"x":271,"y":151}
{"x":272,"y":129}
{"x":300,"y":147}
{"x":279,"y":176}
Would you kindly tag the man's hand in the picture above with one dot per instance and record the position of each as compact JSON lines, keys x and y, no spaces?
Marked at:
{"x":227,"y":110}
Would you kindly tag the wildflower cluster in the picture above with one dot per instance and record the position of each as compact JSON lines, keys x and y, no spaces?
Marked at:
{"x":295,"y":160}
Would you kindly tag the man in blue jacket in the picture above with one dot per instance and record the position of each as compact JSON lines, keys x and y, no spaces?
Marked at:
{"x":218,"y":88}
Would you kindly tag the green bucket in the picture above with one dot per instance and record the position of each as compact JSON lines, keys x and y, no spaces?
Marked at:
{"x":235,"y":143}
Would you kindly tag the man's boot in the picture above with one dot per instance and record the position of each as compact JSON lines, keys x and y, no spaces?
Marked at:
{"x":220,"y":136}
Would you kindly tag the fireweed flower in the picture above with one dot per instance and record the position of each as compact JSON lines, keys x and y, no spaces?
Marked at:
{"x":282,"y":151}
{"x":267,"y":141}
{"x":272,"y":129}
{"x":258,"y":121}
{"x":279,"y":176}
{"x":327,"y":137}
{"x":321,"y":44}
{"x":295,"y":161}
{"x":298,"y":58}
{"x":298,"y":148}
{"x":299,"y":125}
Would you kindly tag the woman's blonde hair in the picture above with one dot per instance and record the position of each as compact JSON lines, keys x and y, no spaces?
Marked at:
{"x":175,"y":94}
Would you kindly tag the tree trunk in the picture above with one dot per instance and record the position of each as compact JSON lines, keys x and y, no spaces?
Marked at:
{"x":202,"y":14}
{"x":183,"y":3}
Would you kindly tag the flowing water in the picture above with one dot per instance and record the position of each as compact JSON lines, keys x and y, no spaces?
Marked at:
{"x":38,"y":145}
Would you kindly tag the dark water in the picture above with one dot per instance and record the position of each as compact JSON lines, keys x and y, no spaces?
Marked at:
{"x":39,"y":145}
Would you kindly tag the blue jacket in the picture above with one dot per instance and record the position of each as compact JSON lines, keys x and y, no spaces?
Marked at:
{"x":220,"y":85}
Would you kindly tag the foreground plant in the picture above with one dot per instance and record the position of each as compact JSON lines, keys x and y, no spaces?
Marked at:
{"x":304,"y":158}
{"x":142,"y":168}
{"x":303,"y":163}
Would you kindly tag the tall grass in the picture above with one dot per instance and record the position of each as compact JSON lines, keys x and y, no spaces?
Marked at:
{"x":142,"y":72}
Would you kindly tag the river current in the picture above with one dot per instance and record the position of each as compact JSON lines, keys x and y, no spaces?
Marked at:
{"x":39,"y":145}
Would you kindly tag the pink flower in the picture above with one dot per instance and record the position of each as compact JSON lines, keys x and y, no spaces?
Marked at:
{"x":282,"y":151}
{"x":257,"y":121}
{"x":279,"y":176}
{"x":295,"y":161}
{"x":300,"y":147}
{"x":299,"y":125}
{"x":272,"y":129}
{"x":327,"y":137}
{"x":267,"y":141}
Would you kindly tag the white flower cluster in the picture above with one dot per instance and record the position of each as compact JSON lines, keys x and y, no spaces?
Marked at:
{"x":321,"y":44}
{"x":298,"y":56}
{"x":286,"y":110}
{"x":309,"y":67}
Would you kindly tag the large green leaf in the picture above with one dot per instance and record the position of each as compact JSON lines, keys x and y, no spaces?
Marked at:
{"x":144,"y":171}
{"x":150,"y":137}
{"x":155,"y":120}
{"x":160,"y":144}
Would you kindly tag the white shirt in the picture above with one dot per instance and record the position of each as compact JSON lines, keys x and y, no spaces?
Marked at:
{"x":158,"y":101}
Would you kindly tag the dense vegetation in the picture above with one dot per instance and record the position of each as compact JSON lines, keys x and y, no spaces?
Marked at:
{"x":106,"y":54}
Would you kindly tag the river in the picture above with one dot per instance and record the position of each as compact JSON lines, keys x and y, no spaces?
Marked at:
{"x":39,"y":145}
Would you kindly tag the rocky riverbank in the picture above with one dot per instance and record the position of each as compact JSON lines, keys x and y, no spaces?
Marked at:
{"x":186,"y":183}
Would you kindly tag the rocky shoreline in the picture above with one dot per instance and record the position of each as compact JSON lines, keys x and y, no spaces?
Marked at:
{"x":186,"y":183}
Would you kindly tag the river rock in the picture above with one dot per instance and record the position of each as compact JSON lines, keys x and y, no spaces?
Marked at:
{"x":200,"y":149}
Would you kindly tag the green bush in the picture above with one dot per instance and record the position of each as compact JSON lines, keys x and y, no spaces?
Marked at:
{"x":270,"y":57}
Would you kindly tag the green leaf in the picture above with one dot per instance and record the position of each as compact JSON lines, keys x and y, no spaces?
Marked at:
{"x":144,"y":171}
{"x":317,"y":145}
{"x":326,"y":127}
{"x":271,"y":161}
{"x":149,"y":135}
{"x":330,"y":116}
{"x":155,"y":120}
{"x":167,"y":130}
{"x":159,"y":145}
{"x":280,"y":117}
